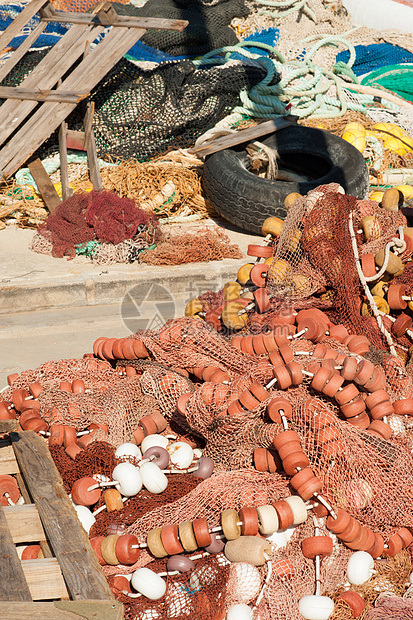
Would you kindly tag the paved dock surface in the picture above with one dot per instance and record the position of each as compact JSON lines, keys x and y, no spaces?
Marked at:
{"x":52,"y":308}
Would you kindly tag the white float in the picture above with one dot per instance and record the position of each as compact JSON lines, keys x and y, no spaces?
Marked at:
{"x":128,"y":450}
{"x":313,"y":607}
{"x":153,"y":440}
{"x":360,"y":567}
{"x":181,"y":454}
{"x":148,"y":583}
{"x":129,"y":478}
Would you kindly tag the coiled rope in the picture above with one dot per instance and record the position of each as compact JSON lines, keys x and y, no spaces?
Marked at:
{"x":282,"y":8}
{"x":305,"y":89}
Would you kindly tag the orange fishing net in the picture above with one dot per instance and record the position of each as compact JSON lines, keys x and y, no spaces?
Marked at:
{"x":346,"y":401}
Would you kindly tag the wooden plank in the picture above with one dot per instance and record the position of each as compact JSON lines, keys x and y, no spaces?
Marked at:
{"x":15,"y":92}
{"x":75,"y":140}
{"x":63,"y":610}
{"x":45,"y":120}
{"x":45,"y":186}
{"x":44,"y":578}
{"x":122,"y":21}
{"x":64,"y":173}
{"x":90,"y":144}
{"x":8,"y":425}
{"x":8,"y":463}
{"x":245,"y":135}
{"x":83,"y":576}
{"x":21,"y":50}
{"x":55,"y":64}
{"x":24,"y":523}
{"x":44,"y":545}
{"x":13,"y":585}
{"x":21,"y":20}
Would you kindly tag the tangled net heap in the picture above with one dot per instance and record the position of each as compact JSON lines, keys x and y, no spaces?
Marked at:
{"x":109,"y":229}
{"x":345,"y":398}
{"x":96,"y":216}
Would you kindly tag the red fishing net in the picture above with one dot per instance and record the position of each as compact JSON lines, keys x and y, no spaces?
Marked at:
{"x":103,"y":216}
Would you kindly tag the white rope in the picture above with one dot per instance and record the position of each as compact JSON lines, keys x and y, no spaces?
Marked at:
{"x":369,"y":296}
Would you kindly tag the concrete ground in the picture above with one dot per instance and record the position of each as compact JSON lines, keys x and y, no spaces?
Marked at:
{"x":52,"y":308}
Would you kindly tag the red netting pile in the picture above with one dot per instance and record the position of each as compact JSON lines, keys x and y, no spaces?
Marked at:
{"x":95,"y":215}
{"x":303,"y":416}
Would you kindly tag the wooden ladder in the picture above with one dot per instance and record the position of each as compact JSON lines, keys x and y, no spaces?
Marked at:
{"x":44,"y":99}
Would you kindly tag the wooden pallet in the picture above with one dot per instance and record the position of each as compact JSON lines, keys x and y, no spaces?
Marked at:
{"x":33,"y":110}
{"x":67,"y":583}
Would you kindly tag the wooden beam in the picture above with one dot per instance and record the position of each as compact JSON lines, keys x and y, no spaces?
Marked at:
{"x":63,"y":610}
{"x":20,"y":21}
{"x":8,"y":425}
{"x":8,"y":463}
{"x":70,"y":543}
{"x":64,"y":173}
{"x":122,"y":21}
{"x":44,"y":579}
{"x":45,"y":186}
{"x":245,"y":135}
{"x":49,"y":116}
{"x":45,"y":75}
{"x":24,"y":523}
{"x":15,"y":92}
{"x":75,"y":140}
{"x":13,"y":584}
{"x":90,"y":145}
{"x":21,"y":50}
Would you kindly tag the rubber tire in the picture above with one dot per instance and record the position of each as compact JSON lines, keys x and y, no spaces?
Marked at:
{"x":247,"y":200}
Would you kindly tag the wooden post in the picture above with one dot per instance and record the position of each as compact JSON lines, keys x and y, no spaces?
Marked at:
{"x":64,"y":173}
{"x":90,"y":145}
{"x":46,"y":188}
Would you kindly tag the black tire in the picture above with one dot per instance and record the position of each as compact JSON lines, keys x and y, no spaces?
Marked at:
{"x":245,"y":199}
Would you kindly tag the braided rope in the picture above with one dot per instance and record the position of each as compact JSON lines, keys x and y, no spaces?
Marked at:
{"x":303,"y":89}
{"x":283,"y":8}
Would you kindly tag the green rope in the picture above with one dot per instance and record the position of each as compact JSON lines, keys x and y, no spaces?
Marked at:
{"x":304,"y":86}
{"x":282,"y":8}
{"x":341,"y":68}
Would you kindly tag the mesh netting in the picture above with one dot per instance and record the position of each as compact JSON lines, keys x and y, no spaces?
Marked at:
{"x":207,"y":29}
{"x":141,"y":113}
{"x":371,"y":57}
{"x":360,"y":471}
{"x":102,"y":216}
{"x":315,"y":250}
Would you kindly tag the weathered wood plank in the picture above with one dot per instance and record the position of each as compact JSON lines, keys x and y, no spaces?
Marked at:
{"x":44,"y":579}
{"x":8,"y":463}
{"x":90,"y":144}
{"x":21,"y":20}
{"x":24,"y":523}
{"x":245,"y":135}
{"x":64,"y":173}
{"x":21,"y":50}
{"x":55,"y":64}
{"x":45,"y":186}
{"x":13,"y":585}
{"x":15,"y":92}
{"x":83,"y":576}
{"x":44,"y":545}
{"x":63,"y":610}
{"x":45,"y":120}
{"x":75,"y":140}
{"x":8,"y":425}
{"x":122,"y":21}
